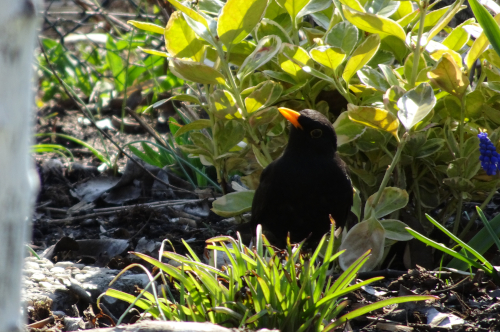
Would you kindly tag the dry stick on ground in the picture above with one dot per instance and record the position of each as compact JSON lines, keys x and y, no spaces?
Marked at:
{"x":108,"y":211}
{"x":85,"y":112}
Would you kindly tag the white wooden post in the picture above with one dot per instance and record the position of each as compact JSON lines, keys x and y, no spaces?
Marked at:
{"x":18,"y":180}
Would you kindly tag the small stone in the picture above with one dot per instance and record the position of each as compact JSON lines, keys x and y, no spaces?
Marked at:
{"x":80,"y":277}
{"x":64,"y":264}
{"x":79,"y":266}
{"x":44,"y":284}
{"x":57,"y":269}
{"x":30,"y":272}
{"x":38,"y":277}
{"x":32,"y":259}
{"x":31,"y":265}
{"x":47,"y":265}
{"x":86,"y":268}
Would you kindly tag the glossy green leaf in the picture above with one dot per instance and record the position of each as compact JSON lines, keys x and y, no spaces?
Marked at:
{"x":286,"y":58}
{"x":372,"y":78}
{"x":375,"y":23}
{"x":233,"y":204}
{"x":330,"y":57}
{"x":267,"y":27}
{"x":151,"y":27}
{"x":265,"y":51}
{"x":361,"y":56}
{"x":223,"y":104}
{"x":392,"y":199}
{"x":347,"y":130}
{"x":478,"y":46}
{"x":375,"y":118}
{"x":395,"y":230}
{"x":195,"y":125}
{"x":457,"y":38}
{"x":195,"y":72}
{"x":415,"y":104}
{"x":238,"y":18}
{"x":448,"y":76}
{"x":265,"y":95}
{"x":180,"y":39}
{"x":343,"y":35}
{"x":490,"y":27}
{"x":293,"y":7}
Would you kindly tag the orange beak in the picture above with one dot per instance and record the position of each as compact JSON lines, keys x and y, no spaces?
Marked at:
{"x":291,"y":116}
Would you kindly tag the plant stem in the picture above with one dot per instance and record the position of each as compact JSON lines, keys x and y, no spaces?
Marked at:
{"x":458,"y":215}
{"x":239,"y":101}
{"x":416,"y":53}
{"x":388,"y":173}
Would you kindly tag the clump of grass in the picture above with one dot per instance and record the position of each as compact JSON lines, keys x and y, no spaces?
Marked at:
{"x":259,"y":287}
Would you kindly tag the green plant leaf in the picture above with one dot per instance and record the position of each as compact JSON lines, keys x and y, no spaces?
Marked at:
{"x":448,"y":76}
{"x":457,"y":38}
{"x":375,"y":118}
{"x":267,"y":27}
{"x":293,"y":7}
{"x":392,"y":199}
{"x":266,"y":94}
{"x":265,"y":51}
{"x":195,"y":72}
{"x":478,"y":46}
{"x":151,"y":27}
{"x":415,"y":104}
{"x":374,"y":23}
{"x":373,"y":78}
{"x":395,"y":230}
{"x":481,"y":242}
{"x":223,"y":105}
{"x":346,"y":129}
{"x":368,"y":234}
{"x":343,"y":35}
{"x":237,"y":19}
{"x":361,"y":56}
{"x":232,"y":133}
{"x":330,"y":57}
{"x":233,"y":204}
{"x":490,"y":27}
{"x":374,"y":306}
{"x":297,"y":53}
{"x":195,"y":125}
{"x":180,"y":39}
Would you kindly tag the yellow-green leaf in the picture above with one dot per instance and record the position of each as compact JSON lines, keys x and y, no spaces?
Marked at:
{"x":238,"y":18}
{"x":286,"y":58}
{"x":456,"y":39}
{"x":375,"y":118}
{"x":265,"y":94}
{"x":374,"y":23}
{"x":354,"y":4}
{"x":330,"y":57}
{"x":189,"y":12}
{"x":180,"y":39}
{"x":361,"y":56}
{"x":155,"y":52}
{"x":449,"y":77}
{"x":195,"y":72}
{"x":233,"y":204}
{"x":293,"y":7}
{"x":147,"y":27}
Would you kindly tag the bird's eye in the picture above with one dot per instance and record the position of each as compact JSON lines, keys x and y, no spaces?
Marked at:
{"x":316,"y":133}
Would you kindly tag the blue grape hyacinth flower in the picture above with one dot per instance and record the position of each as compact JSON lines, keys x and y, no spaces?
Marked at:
{"x":489,"y":158}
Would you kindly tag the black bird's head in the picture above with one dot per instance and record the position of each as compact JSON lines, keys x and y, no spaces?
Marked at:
{"x":311,"y":131}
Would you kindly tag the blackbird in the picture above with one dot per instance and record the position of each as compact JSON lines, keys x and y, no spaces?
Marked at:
{"x":309,"y":182}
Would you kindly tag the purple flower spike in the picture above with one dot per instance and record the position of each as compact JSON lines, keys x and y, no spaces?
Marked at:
{"x":490,"y":159}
